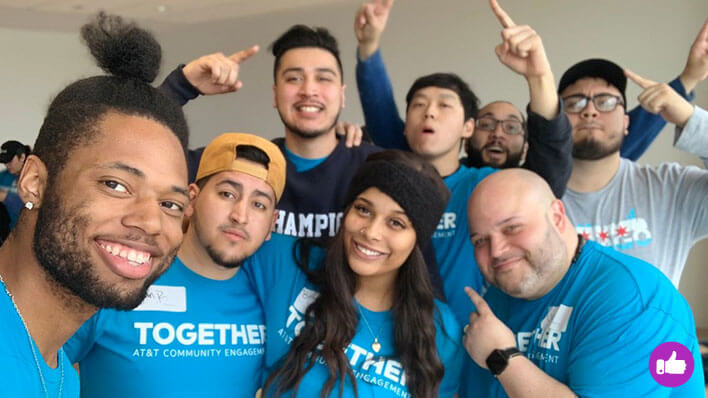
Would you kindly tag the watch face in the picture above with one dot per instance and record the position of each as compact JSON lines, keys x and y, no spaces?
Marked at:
{"x":497,"y":361}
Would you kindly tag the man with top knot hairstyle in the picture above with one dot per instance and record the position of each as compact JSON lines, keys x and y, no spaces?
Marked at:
{"x":104,"y":194}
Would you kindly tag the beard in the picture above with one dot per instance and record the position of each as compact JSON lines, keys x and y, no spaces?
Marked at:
{"x":545,"y":262}
{"x":308,"y":133}
{"x":58,"y":247}
{"x":218,"y":257}
{"x":475,"y":159}
{"x":590,"y":148}
{"x":222,"y":260}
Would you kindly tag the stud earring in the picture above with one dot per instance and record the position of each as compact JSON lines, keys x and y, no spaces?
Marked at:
{"x":29,"y":205}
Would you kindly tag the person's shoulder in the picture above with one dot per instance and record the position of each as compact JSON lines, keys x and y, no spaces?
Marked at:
{"x":279,"y":246}
{"x":361,"y":151}
{"x":280,"y":143}
{"x":445,"y":318}
{"x":664,"y":172}
{"x":476,"y":173}
{"x":279,"y":240}
{"x":616,"y":274}
{"x":468,"y":177}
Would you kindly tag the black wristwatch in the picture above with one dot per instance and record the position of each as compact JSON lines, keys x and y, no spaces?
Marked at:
{"x":499,"y":359}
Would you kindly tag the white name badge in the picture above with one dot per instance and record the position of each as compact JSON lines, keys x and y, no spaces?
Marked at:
{"x":164,"y":298}
{"x":304,"y":299}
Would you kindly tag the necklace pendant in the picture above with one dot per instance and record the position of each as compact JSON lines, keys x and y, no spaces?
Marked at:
{"x":376,"y":346}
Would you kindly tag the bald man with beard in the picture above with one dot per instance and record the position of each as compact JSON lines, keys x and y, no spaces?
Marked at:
{"x":563,"y":316}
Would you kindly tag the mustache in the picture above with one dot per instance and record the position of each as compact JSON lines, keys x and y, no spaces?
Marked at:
{"x":501,"y":260}
{"x":232,"y":228}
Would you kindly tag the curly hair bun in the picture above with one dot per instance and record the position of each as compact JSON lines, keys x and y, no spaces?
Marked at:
{"x":122,"y":49}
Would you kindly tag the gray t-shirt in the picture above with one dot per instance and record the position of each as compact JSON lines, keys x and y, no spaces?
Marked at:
{"x":653,"y":213}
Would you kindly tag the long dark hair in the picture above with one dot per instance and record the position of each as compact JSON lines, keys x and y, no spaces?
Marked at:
{"x":331,"y":320}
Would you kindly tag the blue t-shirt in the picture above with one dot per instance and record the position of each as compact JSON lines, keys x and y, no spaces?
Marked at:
{"x":19,"y":376}
{"x":303,"y":164}
{"x":191,"y":336}
{"x":286,"y":293}
{"x":453,"y":249}
{"x":595,"y":330}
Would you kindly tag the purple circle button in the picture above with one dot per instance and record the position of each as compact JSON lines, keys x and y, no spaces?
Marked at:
{"x":671,"y":364}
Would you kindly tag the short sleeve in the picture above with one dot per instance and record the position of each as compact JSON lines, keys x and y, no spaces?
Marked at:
{"x":613,"y":359}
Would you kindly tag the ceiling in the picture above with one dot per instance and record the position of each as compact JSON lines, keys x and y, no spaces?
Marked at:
{"x":66,"y":15}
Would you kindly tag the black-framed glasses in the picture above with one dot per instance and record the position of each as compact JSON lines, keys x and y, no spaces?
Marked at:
{"x":509,"y":126}
{"x":602,"y":102}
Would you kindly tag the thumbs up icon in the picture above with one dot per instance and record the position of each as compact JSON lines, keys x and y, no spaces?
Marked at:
{"x":671,"y":366}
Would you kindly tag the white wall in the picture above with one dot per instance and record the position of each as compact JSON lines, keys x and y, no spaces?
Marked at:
{"x":650,"y":36}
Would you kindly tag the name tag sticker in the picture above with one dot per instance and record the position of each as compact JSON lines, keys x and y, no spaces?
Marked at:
{"x":304,"y":299}
{"x":164,"y":298}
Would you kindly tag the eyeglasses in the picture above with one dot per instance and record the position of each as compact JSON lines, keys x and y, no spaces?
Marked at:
{"x":509,"y":126}
{"x":603,"y":102}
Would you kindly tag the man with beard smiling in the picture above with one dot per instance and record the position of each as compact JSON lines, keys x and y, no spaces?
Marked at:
{"x":500,"y":137}
{"x":653,"y":213}
{"x":308,"y":94}
{"x":201,"y":325}
{"x":564,"y":317}
{"x":108,"y":170}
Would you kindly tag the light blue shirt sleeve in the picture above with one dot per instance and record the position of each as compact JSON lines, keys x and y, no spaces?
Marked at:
{"x":693,"y":138}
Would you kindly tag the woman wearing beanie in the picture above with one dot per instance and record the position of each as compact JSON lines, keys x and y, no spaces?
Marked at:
{"x":358,"y":319}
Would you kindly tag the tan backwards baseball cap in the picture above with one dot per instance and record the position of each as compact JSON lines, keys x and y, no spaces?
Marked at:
{"x":220,"y":155}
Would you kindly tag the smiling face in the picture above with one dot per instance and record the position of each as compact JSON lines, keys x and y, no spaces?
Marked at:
{"x":516,"y":236}
{"x":233,"y":214}
{"x":308,"y":91}
{"x":596,"y":134}
{"x":109,"y":224}
{"x":497,"y":148}
{"x":378,"y":236}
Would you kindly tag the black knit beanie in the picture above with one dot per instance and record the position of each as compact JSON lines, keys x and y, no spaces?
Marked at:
{"x":415,"y":193}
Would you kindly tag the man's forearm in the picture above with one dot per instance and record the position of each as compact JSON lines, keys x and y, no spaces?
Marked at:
{"x":543,"y":98}
{"x":523,"y":379}
{"x":383,"y":123}
{"x":177,"y":87}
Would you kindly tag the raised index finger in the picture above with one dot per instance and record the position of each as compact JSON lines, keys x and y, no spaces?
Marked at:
{"x":385,"y":3}
{"x":244,"y":54}
{"x":641,"y":82}
{"x":502,"y":16}
{"x":703,"y":34}
{"x":477,"y":300}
